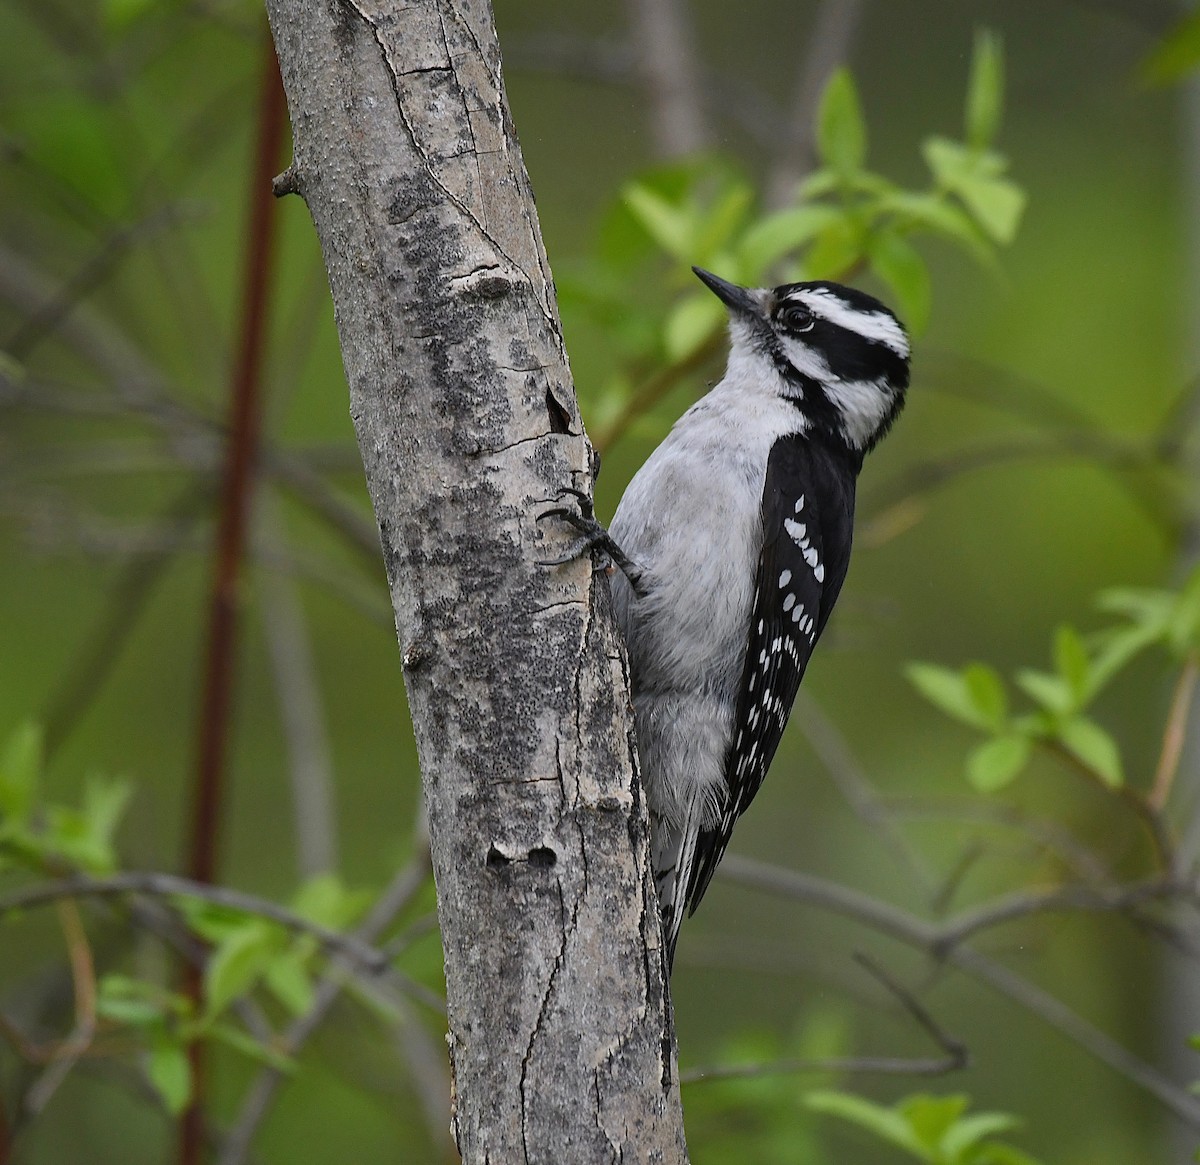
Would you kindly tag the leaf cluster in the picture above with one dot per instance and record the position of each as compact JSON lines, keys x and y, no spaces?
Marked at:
{"x":938,"y":1130}
{"x":1082,"y":667}
{"x":846,"y":220}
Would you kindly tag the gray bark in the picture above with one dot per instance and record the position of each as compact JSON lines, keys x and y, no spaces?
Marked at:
{"x":559,"y":1035}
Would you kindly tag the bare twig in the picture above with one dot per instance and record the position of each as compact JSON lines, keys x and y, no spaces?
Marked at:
{"x":653,"y":389}
{"x":828,"y":46}
{"x":1174,"y":735}
{"x":835,"y":754}
{"x":83,"y":979}
{"x":78,"y":687}
{"x":302,"y":716}
{"x":947,"y":943}
{"x":665,"y":48}
{"x":170,"y":885}
{"x":245,"y":409}
{"x":954,"y":1059}
{"x":1048,"y":835}
{"x":403,"y":889}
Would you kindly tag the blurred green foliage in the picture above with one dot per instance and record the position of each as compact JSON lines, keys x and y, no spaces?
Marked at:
{"x":1044,"y":460}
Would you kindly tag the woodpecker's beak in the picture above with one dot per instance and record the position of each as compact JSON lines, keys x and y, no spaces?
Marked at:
{"x":730,"y":294}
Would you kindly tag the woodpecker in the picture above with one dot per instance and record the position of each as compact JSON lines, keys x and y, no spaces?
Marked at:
{"x":733,"y":542}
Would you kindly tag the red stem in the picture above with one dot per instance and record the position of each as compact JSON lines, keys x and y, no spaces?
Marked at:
{"x":245,"y":416}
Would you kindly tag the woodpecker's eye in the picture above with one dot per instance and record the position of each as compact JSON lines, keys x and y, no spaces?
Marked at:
{"x":796,"y":318}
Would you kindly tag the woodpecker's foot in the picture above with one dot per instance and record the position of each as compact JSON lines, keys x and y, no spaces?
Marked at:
{"x":595,"y":537}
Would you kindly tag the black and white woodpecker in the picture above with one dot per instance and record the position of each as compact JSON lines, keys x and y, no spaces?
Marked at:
{"x":733,"y":541}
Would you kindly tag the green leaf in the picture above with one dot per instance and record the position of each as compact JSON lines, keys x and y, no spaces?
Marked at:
{"x":690,"y":323}
{"x":948,"y":690}
{"x":323,"y":899}
{"x":247,"y":1045}
{"x":898,"y":264}
{"x":669,"y":226}
{"x":975,"y":177}
{"x":1116,"y":649}
{"x":997,"y":205}
{"x":836,"y":251}
{"x":1146,"y":606}
{"x":1071,"y":660}
{"x":968,"y":1132}
{"x":1183,"y":630}
{"x":212,"y":922}
{"x":1087,"y":741}
{"x":986,"y":691}
{"x":841,"y":132}
{"x":1177,"y":55}
{"x":985,"y":90}
{"x":995,"y":763}
{"x":976,"y":695}
{"x":885,"y":1123}
{"x":718,"y":225}
{"x":122,"y":999}
{"x":776,"y":234}
{"x":1050,"y":691}
{"x":20,"y":770}
{"x":169,"y":1072}
{"x":238,"y":963}
{"x":930,"y":1117}
{"x":290,"y":982}
{"x":934,"y":212}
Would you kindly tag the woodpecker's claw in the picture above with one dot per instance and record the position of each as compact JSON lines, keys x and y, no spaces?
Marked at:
{"x":595,"y":537}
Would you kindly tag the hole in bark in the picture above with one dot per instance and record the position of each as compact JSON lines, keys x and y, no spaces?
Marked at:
{"x":543,"y":857}
{"x":560,"y":419}
{"x":495,"y":859}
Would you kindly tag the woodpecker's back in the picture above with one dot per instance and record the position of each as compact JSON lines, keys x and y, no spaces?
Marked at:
{"x":740,"y":524}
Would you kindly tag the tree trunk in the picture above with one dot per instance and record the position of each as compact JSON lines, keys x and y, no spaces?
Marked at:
{"x":560,"y":1041}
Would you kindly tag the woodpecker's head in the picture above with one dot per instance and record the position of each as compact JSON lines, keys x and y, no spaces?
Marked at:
{"x":839,"y":353}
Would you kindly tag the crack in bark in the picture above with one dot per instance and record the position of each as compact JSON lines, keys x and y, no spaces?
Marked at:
{"x":568,"y":930}
{"x":394,"y":77}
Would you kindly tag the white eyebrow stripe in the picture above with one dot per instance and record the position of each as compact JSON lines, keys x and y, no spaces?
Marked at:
{"x":872,"y":325}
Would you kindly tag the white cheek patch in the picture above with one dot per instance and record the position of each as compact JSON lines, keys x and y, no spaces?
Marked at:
{"x":862,"y":405}
{"x":882,"y":327}
{"x":804,"y":360}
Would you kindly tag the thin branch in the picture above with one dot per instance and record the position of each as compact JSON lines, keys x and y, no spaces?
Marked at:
{"x":828,"y":47}
{"x":668,"y":68}
{"x":49,"y":315}
{"x":836,"y":755}
{"x":245,"y":408}
{"x":83,"y":980}
{"x":301,"y":715}
{"x":1174,"y":735}
{"x":954,"y":1059}
{"x":261,"y":1095}
{"x":653,"y":389}
{"x":82,"y":681}
{"x":161,"y":885}
{"x":1048,"y":835}
{"x":943,"y":943}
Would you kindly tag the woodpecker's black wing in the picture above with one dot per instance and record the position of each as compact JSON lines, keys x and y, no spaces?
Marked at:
{"x":807,"y":515}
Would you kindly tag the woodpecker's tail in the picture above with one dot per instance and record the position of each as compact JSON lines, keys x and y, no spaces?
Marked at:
{"x":672,"y":854}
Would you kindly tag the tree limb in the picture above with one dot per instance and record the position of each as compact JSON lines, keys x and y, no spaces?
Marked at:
{"x":560,"y":1042}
